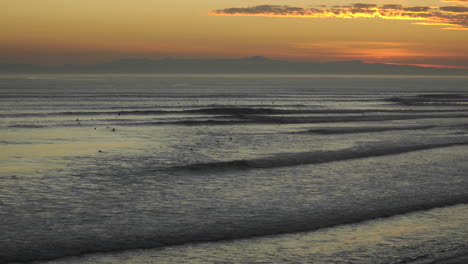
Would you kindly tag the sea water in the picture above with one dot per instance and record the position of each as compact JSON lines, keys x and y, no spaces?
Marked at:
{"x":233,"y":168}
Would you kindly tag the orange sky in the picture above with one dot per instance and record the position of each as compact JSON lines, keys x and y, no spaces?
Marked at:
{"x":88,"y":31}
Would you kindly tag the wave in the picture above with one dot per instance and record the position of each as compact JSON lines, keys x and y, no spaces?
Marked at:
{"x":350,"y":118}
{"x":442,"y":96}
{"x":315,"y":157}
{"x":258,"y":119}
{"x":218,"y":227}
{"x":228,"y":111}
{"x":245,"y":119}
{"x":223,"y":231}
{"x":442,"y":99}
{"x":15,"y":142}
{"x":274,"y":111}
{"x":90,"y":113}
{"x":352,"y":130}
{"x":27,"y":126}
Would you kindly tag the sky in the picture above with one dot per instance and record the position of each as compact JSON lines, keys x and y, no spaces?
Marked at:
{"x":56,"y":32}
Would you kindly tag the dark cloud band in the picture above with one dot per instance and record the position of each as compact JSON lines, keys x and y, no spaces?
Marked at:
{"x":455,"y":17}
{"x":456,"y":1}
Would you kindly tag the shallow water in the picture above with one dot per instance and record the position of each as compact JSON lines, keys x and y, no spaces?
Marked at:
{"x":111,"y":163}
{"x":415,"y":238}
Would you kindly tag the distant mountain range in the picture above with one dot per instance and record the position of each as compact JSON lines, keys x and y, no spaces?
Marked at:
{"x":255,"y":64}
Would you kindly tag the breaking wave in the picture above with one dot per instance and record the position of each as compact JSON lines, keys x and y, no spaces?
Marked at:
{"x":315,"y":157}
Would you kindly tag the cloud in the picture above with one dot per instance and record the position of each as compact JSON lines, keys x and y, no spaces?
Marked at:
{"x":417,"y":9}
{"x":391,"y":6}
{"x":455,"y":17}
{"x":455,"y":9}
{"x":364,"y":5}
{"x":264,"y":9}
{"x":457,"y":1}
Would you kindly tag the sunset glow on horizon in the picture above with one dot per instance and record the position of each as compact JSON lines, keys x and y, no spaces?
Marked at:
{"x":408,"y":32}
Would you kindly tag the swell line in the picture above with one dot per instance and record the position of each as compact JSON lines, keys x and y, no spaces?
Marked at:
{"x":229,"y":111}
{"x":353,"y":130}
{"x":439,"y":99}
{"x":230,"y":229}
{"x":264,"y":119}
{"x":316,"y":157}
{"x":147,"y":241}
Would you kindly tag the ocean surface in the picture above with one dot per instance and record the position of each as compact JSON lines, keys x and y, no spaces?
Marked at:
{"x":233,"y":169}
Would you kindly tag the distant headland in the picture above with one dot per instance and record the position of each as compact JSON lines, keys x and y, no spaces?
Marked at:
{"x":256,"y":65}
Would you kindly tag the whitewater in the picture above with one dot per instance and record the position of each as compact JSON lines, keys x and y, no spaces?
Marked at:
{"x":233,"y":169}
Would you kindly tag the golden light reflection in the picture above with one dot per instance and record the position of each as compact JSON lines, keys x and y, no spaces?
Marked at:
{"x":55,"y":147}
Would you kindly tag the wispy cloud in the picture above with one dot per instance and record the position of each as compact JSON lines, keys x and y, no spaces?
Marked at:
{"x":455,"y":17}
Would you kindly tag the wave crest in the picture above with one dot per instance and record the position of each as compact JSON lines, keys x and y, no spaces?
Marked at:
{"x":315,"y":157}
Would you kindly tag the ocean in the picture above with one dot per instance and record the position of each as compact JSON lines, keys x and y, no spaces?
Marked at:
{"x":233,"y":169}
